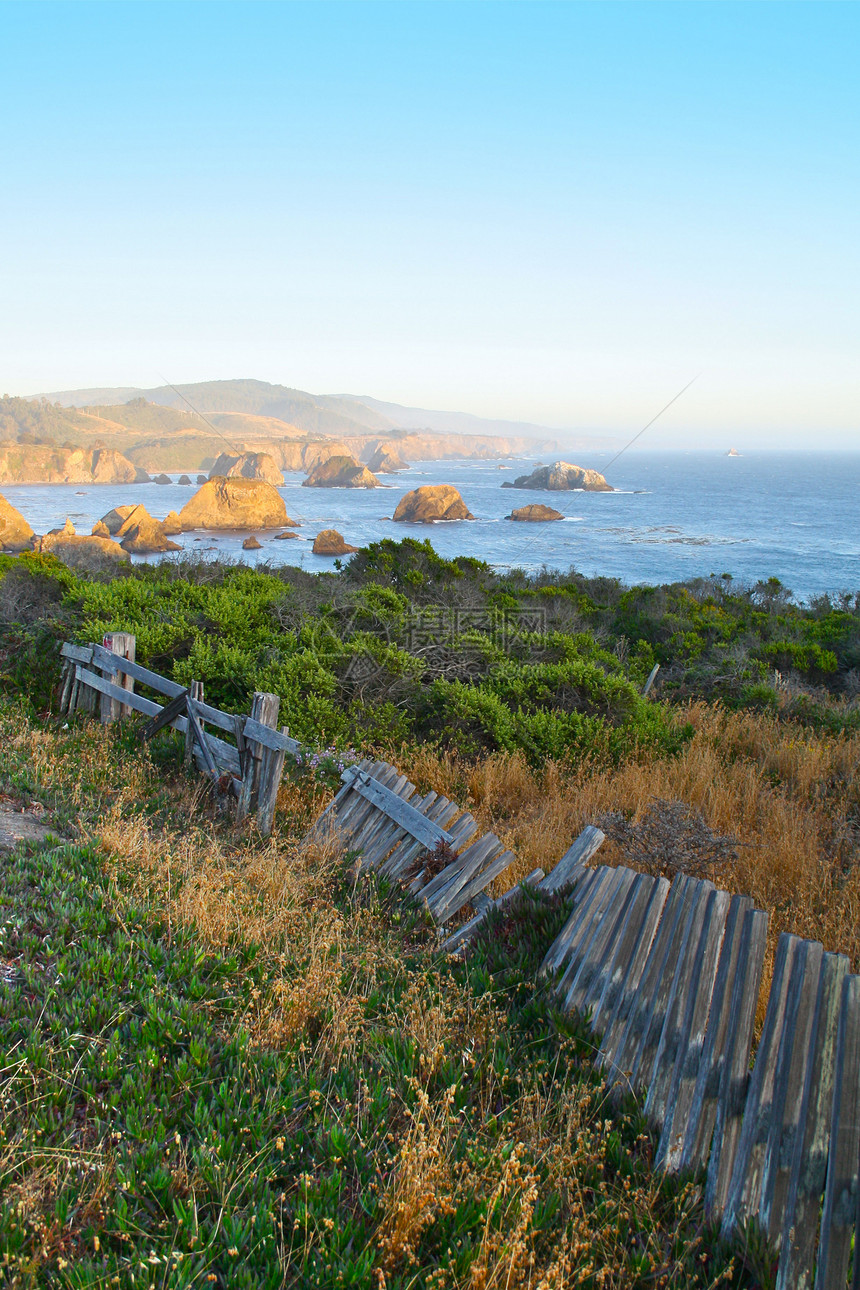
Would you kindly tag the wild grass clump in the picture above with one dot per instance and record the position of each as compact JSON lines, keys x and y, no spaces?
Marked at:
{"x":228,"y":1062}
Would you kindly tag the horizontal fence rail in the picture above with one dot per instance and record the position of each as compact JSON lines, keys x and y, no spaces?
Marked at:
{"x":250,"y":768}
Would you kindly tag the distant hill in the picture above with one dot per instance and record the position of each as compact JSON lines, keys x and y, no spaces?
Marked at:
{"x":312,"y":414}
{"x":323,"y":415}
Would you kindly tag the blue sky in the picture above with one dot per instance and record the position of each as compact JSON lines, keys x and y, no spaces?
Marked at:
{"x":553,"y":212}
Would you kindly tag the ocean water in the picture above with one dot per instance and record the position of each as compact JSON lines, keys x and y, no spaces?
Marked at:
{"x":674,"y":516}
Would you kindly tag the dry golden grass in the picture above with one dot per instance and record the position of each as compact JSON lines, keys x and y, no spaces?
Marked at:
{"x":790,"y":796}
{"x":324,"y":958}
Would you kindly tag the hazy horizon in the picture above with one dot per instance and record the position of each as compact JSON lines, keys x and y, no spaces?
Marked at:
{"x":554,"y":213}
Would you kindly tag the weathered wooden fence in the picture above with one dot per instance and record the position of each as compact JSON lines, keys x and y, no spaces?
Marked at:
{"x":103,"y":677}
{"x":669,"y":973}
{"x":428,"y":843}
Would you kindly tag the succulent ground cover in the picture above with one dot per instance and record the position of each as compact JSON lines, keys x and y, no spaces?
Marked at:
{"x":225,"y":1062}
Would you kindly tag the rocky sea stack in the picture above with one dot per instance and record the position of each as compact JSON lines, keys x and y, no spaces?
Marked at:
{"x":15,"y":533}
{"x":330,"y":542}
{"x":562,"y":476}
{"x":235,"y":504}
{"x":386,"y":460}
{"x":340,"y":472}
{"x":247,"y":465}
{"x":536,"y":513}
{"x":430,"y":503}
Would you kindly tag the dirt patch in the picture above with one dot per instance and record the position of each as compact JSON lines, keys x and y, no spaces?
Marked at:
{"x":22,"y":826}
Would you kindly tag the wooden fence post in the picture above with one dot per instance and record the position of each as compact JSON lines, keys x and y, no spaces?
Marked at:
{"x":195,"y":691}
{"x":271,"y":770}
{"x":123,"y":644}
{"x":265,"y":710}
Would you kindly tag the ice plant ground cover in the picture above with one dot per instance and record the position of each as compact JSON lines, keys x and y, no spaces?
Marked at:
{"x":226,"y":1063}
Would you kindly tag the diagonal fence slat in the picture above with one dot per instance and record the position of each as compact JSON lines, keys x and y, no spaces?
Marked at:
{"x":683,"y":1031}
{"x":686,"y":1135}
{"x":839,"y":1216}
{"x":634,"y":941}
{"x":809,"y":1164}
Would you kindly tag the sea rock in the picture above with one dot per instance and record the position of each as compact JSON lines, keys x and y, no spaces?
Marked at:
{"x":135,"y":515}
{"x":202,"y":479}
{"x":235,"y":504}
{"x":537,"y":512}
{"x":251,"y":544}
{"x":330,"y":542}
{"x":80,"y":552}
{"x":281,"y":537}
{"x":385,"y":460}
{"x":146,"y":536}
{"x":67,"y":530}
{"x":100,"y":529}
{"x":560,"y":477}
{"x":15,"y":532}
{"x":247,"y":465}
{"x":183,"y":479}
{"x":162,"y":479}
{"x":430,"y":503}
{"x":115,"y":519}
{"x":340,"y":472}
{"x":171,"y":524}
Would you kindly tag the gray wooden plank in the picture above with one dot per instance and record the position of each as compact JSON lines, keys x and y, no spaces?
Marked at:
{"x":454,"y":876}
{"x":587,"y":889}
{"x":118,"y":645}
{"x":605,"y":890}
{"x":400,"y":811}
{"x":788,"y":1111}
{"x":161,"y":684}
{"x":264,"y":711}
{"x":256,"y":731}
{"x":378,"y":841}
{"x":686,"y":1137}
{"x":77,"y":653}
{"x":578,"y":981}
{"x":809,"y":1164}
{"x":378,"y":819}
{"x":352,"y":818}
{"x":731,"y":1099}
{"x":679,"y":1053}
{"x":441,"y":812}
{"x":672,"y":979}
{"x":172,"y":709}
{"x":744,"y":1189}
{"x":577,"y":855}
{"x":839,"y":1215}
{"x":622,"y":1039}
{"x":462,"y":833}
{"x":448,"y":905}
{"x":648,"y":897}
{"x":271,"y":772}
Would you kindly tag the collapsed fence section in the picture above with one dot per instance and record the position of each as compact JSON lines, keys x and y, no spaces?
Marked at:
{"x":428,"y":843}
{"x":670,"y":976}
{"x":102,"y":678}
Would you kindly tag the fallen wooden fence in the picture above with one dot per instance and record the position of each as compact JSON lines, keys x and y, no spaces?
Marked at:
{"x":103,"y":677}
{"x":669,"y":974}
{"x":428,"y":843}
